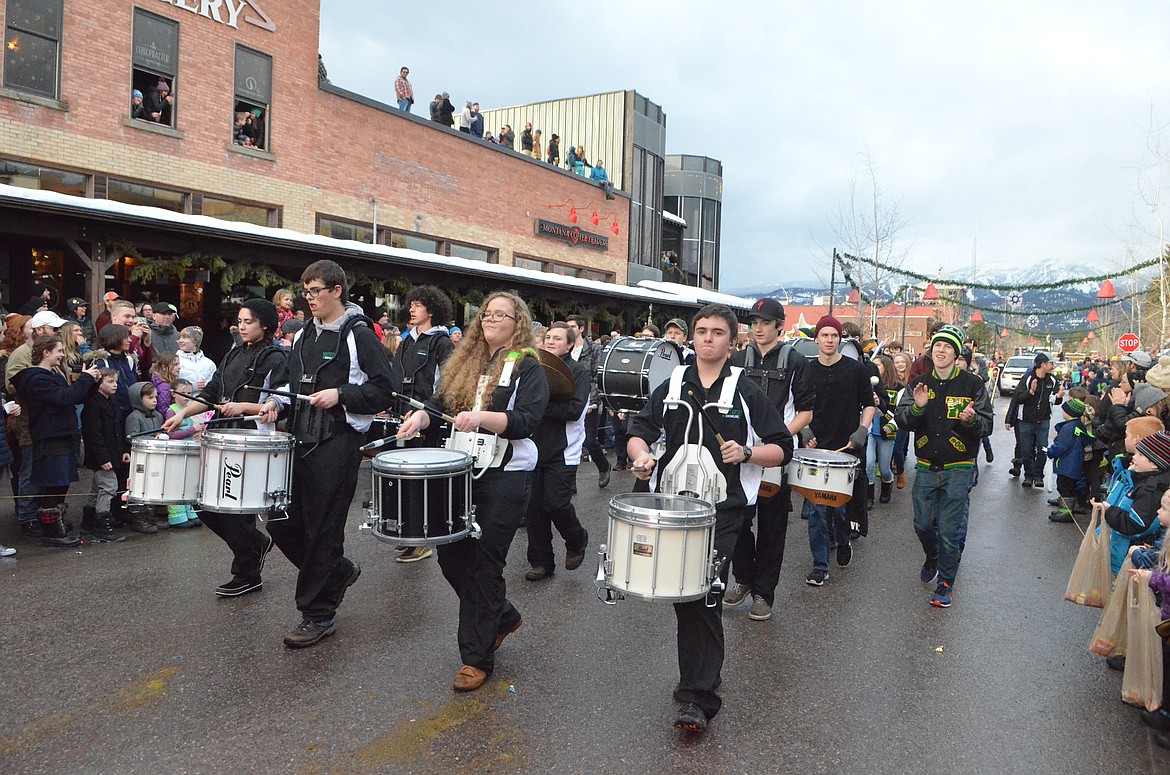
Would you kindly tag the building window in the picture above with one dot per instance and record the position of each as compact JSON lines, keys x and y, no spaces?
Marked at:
{"x":155,"y":65}
{"x":601,"y":277}
{"x":250,"y":117}
{"x":32,"y":46}
{"x":226,"y":209}
{"x":337,"y":229}
{"x":412,"y":242}
{"x":149,"y":196}
{"x":43,"y":178}
{"x":486,"y":255}
{"x":528,"y":263}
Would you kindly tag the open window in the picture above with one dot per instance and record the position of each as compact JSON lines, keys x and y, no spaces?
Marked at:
{"x":155,"y":67}
{"x":251,"y":112}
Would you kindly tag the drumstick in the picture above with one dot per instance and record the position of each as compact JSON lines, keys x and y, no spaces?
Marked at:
{"x":424,"y":407}
{"x":197,"y":399}
{"x":241,"y":418}
{"x":710,"y":423}
{"x":843,"y":448}
{"x":285,"y":394}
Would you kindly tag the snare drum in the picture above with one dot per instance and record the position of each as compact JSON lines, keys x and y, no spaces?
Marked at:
{"x":823,"y":476}
{"x":245,"y":471}
{"x":629,"y":369}
{"x":421,"y":497}
{"x":163,"y":471}
{"x":659,"y":547}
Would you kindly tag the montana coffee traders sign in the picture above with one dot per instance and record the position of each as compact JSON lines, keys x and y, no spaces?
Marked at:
{"x":572,"y":235}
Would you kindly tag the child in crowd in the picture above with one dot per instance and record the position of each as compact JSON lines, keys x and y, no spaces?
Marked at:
{"x":1151,"y":568}
{"x":1068,"y":450}
{"x":104,"y":438}
{"x":143,"y":418}
{"x":1133,"y":497}
{"x":6,"y":458}
{"x":182,"y":515}
{"x":163,"y":372}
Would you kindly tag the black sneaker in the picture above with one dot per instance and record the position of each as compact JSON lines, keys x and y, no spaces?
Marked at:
{"x":1116,"y":662}
{"x":237,"y":587}
{"x":1025,"y":482}
{"x":816,"y":577}
{"x":844,"y":554}
{"x":1064,"y":517}
{"x":990,"y":455}
{"x":1014,"y":472}
{"x":929,"y":572}
{"x":603,"y":479}
{"x":1156,"y":719}
{"x":691,"y":718}
{"x":309,"y":633}
{"x":32,"y":530}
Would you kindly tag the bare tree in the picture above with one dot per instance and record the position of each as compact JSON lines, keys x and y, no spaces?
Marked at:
{"x":869,"y":226}
{"x":1152,"y":180}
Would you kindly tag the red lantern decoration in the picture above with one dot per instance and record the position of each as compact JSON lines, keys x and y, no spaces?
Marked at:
{"x":572,"y":215}
{"x":593,"y":218}
{"x":976,"y":317}
{"x":1005,"y":333}
{"x":1092,"y":316}
{"x":931,"y":293}
{"x":615,"y":228}
{"x":1092,"y":335}
{"x":1107,"y":291}
{"x":854,"y":297}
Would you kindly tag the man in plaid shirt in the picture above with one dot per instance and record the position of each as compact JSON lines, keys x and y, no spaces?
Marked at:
{"x":403,"y":91}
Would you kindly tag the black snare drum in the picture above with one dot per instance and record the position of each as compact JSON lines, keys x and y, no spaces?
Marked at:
{"x":629,"y":369}
{"x":421,"y":497}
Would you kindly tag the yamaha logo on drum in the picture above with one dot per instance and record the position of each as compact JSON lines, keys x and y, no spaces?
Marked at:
{"x":231,"y":474}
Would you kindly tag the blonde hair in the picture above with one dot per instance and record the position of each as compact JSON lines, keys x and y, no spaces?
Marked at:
{"x":460,"y":375}
{"x":280,"y":294}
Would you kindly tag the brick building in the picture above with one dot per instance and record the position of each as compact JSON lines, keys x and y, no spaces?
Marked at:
{"x":318,"y":160}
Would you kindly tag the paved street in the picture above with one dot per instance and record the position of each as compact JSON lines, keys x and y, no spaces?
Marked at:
{"x":119,"y":659}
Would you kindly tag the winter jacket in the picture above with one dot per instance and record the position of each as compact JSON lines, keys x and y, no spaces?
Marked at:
{"x":164,"y":339}
{"x":6,"y":458}
{"x":598,"y":174}
{"x":195,"y":368}
{"x":50,"y":401}
{"x":1160,"y":583}
{"x":103,"y":430}
{"x":435,"y":107}
{"x":560,"y":434}
{"x":526,"y":140}
{"x":140,"y":418}
{"x":1036,"y":406}
{"x":417,"y":364}
{"x":941,"y":440}
{"x":1140,"y":519}
{"x":1068,"y":449}
{"x":447,"y":113}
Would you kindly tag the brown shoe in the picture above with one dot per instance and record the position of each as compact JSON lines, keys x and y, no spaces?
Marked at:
{"x":901,"y":481}
{"x":505,"y":633}
{"x":537,"y":573}
{"x":468,"y":679}
{"x":573,"y":561}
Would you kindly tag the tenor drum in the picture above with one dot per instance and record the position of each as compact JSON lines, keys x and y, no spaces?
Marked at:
{"x":246,"y":471}
{"x":383,"y":428}
{"x":823,"y":476}
{"x":421,"y":497}
{"x":629,"y":369}
{"x":659,"y":547}
{"x":163,"y":471}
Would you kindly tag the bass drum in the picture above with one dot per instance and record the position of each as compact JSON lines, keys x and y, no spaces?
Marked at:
{"x":629,"y":369}
{"x":850,"y":348}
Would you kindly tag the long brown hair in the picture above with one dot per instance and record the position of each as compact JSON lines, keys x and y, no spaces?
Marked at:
{"x":889,"y":376}
{"x":460,"y":375}
{"x":14,"y":332}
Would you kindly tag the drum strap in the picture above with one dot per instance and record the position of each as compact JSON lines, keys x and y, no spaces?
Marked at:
{"x":764,"y":377}
{"x":726,"y":395}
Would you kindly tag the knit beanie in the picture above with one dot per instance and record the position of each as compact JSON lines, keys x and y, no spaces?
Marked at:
{"x":828,"y":321}
{"x":1157,"y":448}
{"x":1145,"y":396}
{"x":952,"y":335}
{"x":1159,"y":375}
{"x":1074,"y":407}
{"x":195,"y":334}
{"x":266,"y":315}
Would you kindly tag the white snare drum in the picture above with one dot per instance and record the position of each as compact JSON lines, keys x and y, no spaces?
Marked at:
{"x":246,"y":471}
{"x":163,"y":471}
{"x":660,"y":547}
{"x":823,"y":476}
{"x":421,"y":497}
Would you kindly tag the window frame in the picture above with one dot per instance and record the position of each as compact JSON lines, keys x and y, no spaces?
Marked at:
{"x":58,"y":41}
{"x":250,"y":99}
{"x":156,"y":72}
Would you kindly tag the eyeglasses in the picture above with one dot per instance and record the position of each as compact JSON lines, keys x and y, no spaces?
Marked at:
{"x":496,"y":316}
{"x":312,"y":293}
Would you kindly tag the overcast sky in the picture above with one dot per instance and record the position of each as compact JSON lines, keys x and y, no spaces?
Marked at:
{"x":1022,"y":123}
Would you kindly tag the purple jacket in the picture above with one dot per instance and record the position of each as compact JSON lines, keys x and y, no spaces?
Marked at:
{"x":1160,"y":582}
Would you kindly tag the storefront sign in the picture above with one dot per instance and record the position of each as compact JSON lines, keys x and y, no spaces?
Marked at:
{"x":571,"y":234}
{"x":228,"y":12}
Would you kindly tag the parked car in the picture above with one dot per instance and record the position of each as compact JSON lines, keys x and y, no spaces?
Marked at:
{"x":1015,"y":367}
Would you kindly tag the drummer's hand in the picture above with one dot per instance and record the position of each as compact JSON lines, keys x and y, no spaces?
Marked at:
{"x":107,"y":466}
{"x":325,"y":399}
{"x":733,"y":451}
{"x":231,"y":409}
{"x":812,"y":443}
{"x":467,"y":421}
{"x":412,"y":425}
{"x":268,"y":412}
{"x":921,"y":395}
{"x":125,"y":457}
{"x":643,"y":466}
{"x":171,"y":423}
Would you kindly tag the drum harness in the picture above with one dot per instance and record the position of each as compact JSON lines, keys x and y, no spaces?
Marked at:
{"x":764,"y":378}
{"x":310,"y":424}
{"x":486,"y":449}
{"x":692,"y":470}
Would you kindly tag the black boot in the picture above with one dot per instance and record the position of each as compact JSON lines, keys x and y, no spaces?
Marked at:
{"x":106,"y":530}
{"x":869,"y":496}
{"x":885,"y":496}
{"x":89,"y":522}
{"x":55,"y":532}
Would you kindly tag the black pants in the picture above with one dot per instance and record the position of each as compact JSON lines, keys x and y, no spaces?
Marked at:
{"x":700,"y":630}
{"x":592,"y":443}
{"x":621,"y":437}
{"x":551,"y":503}
{"x":757,"y":562}
{"x":247,"y":543}
{"x":475,"y":567}
{"x":857,"y":509}
{"x":313,"y":537}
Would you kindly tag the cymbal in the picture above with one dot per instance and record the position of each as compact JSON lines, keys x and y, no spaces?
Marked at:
{"x":560,"y":379}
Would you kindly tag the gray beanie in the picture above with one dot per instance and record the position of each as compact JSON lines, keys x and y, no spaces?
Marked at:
{"x":195,"y":334}
{"x":1145,"y":396}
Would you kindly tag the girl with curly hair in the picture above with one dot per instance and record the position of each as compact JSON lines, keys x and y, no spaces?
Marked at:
{"x":492,"y":383}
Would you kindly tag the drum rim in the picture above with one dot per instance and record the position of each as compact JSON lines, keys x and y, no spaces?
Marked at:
{"x":256,"y":444}
{"x":804,"y":457}
{"x":461,"y":462}
{"x":624,"y":507}
{"x":167,"y":446}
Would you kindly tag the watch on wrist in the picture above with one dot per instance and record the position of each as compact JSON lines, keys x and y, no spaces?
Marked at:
{"x":747,"y":454}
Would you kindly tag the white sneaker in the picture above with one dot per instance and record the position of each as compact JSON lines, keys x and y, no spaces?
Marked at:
{"x":6,"y":551}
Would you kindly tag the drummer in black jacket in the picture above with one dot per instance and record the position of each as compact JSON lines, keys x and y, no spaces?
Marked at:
{"x":559,"y":438}
{"x":753,"y":431}
{"x":778,"y":369}
{"x":238,"y":389}
{"x":493,"y":384}
{"x":337,"y":361}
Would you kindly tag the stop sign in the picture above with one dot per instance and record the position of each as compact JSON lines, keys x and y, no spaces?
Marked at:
{"x":1127,"y":343}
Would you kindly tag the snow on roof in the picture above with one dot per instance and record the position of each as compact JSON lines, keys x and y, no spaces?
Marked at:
{"x":647,"y":291}
{"x":669,"y":216}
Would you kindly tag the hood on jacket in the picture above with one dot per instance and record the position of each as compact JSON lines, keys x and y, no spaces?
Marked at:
{"x":166,"y":330}
{"x":351,"y":311}
{"x":135,"y":394}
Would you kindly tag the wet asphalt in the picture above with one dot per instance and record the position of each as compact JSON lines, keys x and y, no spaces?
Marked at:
{"x":117,"y":658}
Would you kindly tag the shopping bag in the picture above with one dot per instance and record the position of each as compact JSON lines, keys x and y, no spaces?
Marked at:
{"x":1141,"y":683}
{"x":1090,"y":581}
{"x":1109,"y":637}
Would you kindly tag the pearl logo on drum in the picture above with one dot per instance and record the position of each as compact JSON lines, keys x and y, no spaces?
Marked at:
{"x":231,"y":475}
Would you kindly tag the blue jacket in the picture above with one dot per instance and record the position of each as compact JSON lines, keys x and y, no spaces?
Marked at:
{"x":1068,"y":449}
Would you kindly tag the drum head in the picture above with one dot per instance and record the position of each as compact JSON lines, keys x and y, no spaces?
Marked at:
{"x":422,"y":460}
{"x":666,"y":356}
{"x":247,"y":439}
{"x":169,"y":446}
{"x":824,"y":457}
{"x":659,"y":508}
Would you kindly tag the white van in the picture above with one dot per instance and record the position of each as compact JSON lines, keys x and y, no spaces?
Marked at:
{"x":1016,"y":367}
